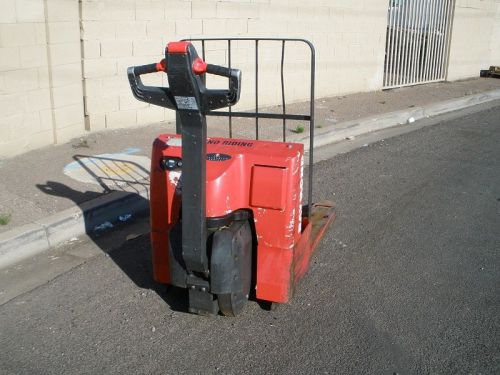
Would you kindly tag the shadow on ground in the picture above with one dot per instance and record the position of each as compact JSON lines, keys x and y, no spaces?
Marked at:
{"x":125,"y":239}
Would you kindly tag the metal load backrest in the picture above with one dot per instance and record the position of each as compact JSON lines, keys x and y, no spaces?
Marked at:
{"x":256,"y":44}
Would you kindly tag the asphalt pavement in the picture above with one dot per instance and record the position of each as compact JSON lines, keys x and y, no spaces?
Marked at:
{"x":406,"y":281}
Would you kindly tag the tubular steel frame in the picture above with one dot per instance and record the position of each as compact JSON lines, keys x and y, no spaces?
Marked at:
{"x":257,"y":114}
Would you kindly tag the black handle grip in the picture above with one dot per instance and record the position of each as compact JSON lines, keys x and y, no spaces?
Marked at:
{"x":160,"y":96}
{"x":234,"y":76}
{"x":218,"y":70}
{"x":145,"y":69}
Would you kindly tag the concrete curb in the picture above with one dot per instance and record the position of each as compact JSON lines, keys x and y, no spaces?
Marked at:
{"x":329,"y":135}
{"x":31,"y":239}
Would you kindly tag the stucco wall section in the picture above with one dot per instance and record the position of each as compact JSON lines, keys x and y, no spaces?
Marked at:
{"x":475,"y":42}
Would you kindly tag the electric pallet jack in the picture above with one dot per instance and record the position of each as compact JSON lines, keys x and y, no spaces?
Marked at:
{"x":227,"y":220}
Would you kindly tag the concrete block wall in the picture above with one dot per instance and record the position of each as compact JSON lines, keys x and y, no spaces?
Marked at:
{"x":40,"y":74}
{"x":349,"y":38}
{"x":495,"y":36}
{"x":475,"y":41}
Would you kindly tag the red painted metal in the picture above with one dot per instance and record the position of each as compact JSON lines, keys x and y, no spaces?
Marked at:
{"x":199,"y":66}
{"x":178,"y":47}
{"x":161,"y":66}
{"x":261,"y":176}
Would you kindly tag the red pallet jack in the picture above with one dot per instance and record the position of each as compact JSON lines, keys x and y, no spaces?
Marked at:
{"x":227,"y":218}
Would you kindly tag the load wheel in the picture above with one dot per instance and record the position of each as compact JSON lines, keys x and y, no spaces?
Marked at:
{"x":231,"y":271}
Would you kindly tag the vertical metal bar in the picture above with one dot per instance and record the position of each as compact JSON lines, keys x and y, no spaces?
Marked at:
{"x":256,"y":89}
{"x":390,"y":68}
{"x":420,"y":26}
{"x":442,"y":46}
{"x":425,"y":39}
{"x":430,"y":40}
{"x":404,"y":50}
{"x":448,"y":38}
{"x":451,"y":14}
{"x":311,"y":131}
{"x":437,"y":38}
{"x":437,"y":61}
{"x":283,"y":89}
{"x":398,"y":48}
{"x":230,"y":118}
{"x":434,"y":39}
{"x":413,"y":43}
{"x":194,"y":140}
{"x":388,"y":46}
{"x":442,"y":55}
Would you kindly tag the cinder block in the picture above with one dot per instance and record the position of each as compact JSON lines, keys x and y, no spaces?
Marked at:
{"x":64,"y":32}
{"x":96,"y":30}
{"x":9,"y":58}
{"x":91,"y":49}
{"x":127,"y":101}
{"x":62,"y":10}
{"x":124,"y":11}
{"x":268,"y":27}
{"x":237,"y":10}
{"x":5,"y":132}
{"x":160,"y":28}
{"x":214,"y":27}
{"x":33,"y":56}
{"x":203,"y":9}
{"x":68,"y":133}
{"x":92,"y":10}
{"x":101,"y":104}
{"x":148,"y":47}
{"x":95,"y":122}
{"x":13,"y":104}
{"x":131,"y":30}
{"x":40,"y":33}
{"x":67,"y":95}
{"x":20,"y":80}
{"x":68,"y":74}
{"x":12,"y":148}
{"x":29,"y":11}
{"x":99,"y":68}
{"x":30,"y":122}
{"x":46,"y":120}
{"x":8,"y":13}
{"x":17,"y":34}
{"x":116,"y":48}
{"x":237,"y":26}
{"x":150,"y":10}
{"x":116,"y":84}
{"x":43,"y":77}
{"x":121,"y":119}
{"x":188,"y":27}
{"x":38,"y":100}
{"x":65,"y":53}
{"x":40,"y":139}
{"x":280,"y":11}
{"x":69,"y":115}
{"x":176,"y":10}
{"x":150,"y":115}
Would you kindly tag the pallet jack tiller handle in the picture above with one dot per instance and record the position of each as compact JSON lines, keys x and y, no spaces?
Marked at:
{"x":207,"y":100}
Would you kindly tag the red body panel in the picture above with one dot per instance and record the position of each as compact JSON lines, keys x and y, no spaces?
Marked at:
{"x":261,"y":176}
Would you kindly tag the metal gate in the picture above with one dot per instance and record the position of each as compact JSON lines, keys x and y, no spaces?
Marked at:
{"x":417,"y":41}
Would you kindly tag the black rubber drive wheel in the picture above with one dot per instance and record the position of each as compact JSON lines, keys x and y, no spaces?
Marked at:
{"x":232,"y":304}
